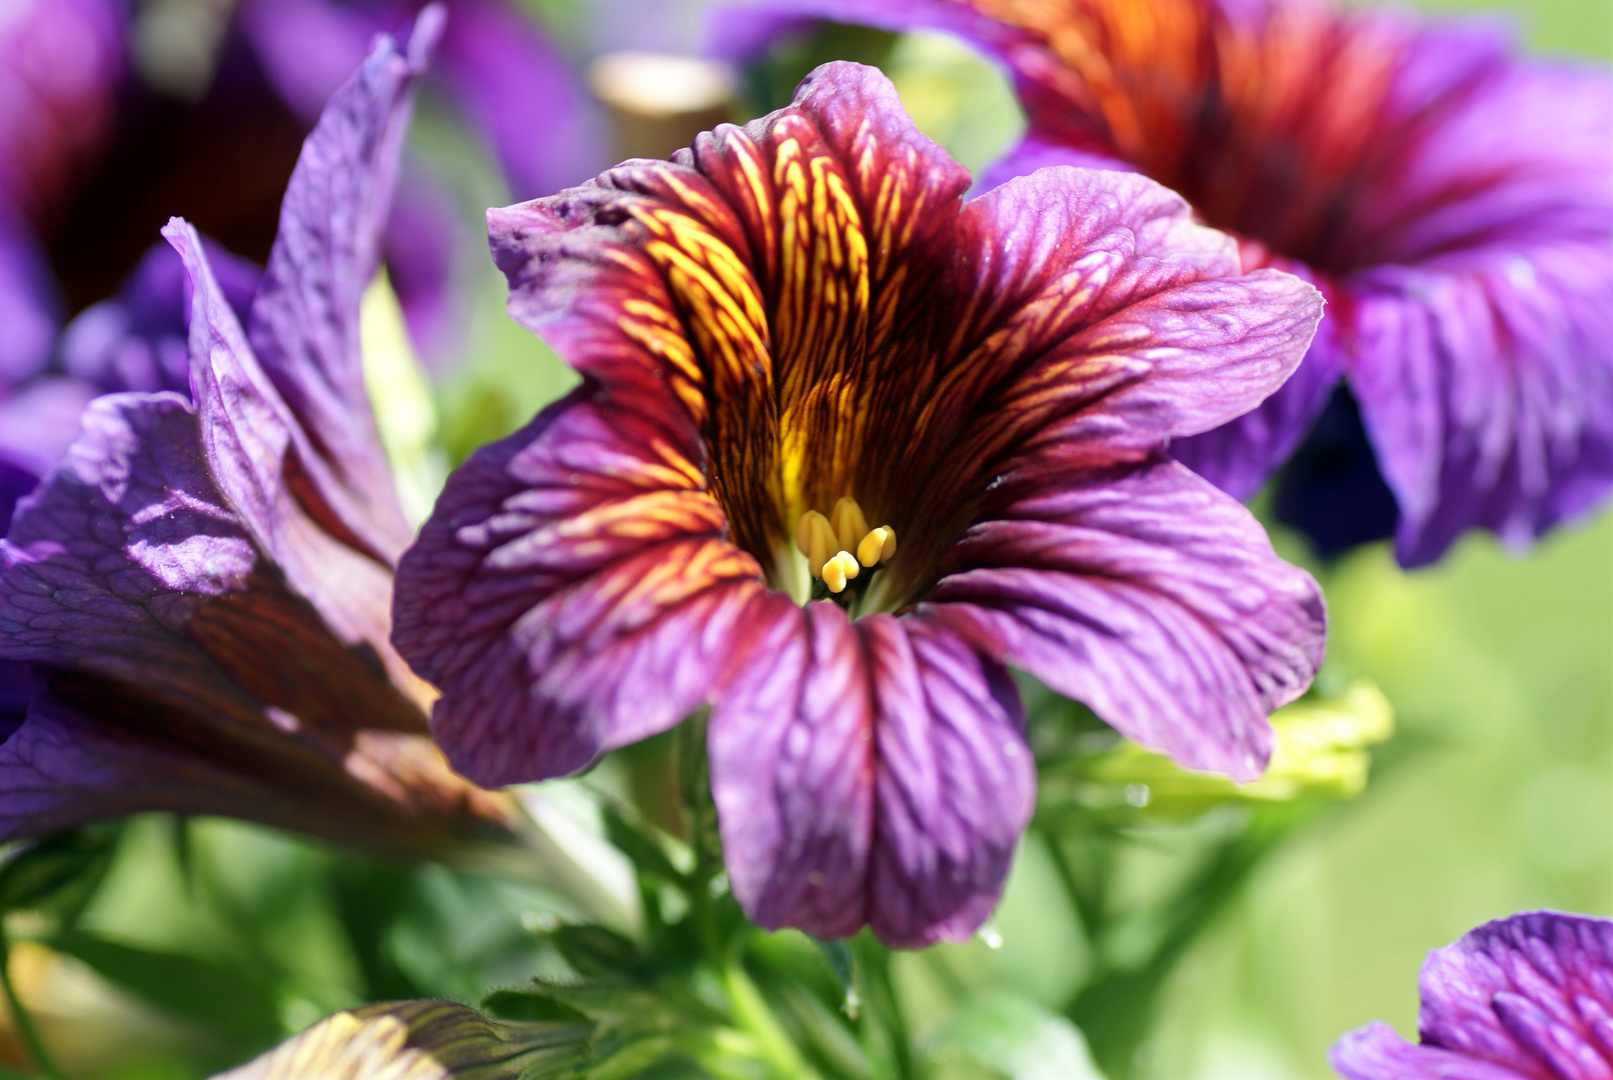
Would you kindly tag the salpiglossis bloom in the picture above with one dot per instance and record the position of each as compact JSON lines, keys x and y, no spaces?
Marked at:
{"x":802,"y":318}
{"x":1451,"y":201}
{"x":1524,"y":998}
{"x":201,"y":588}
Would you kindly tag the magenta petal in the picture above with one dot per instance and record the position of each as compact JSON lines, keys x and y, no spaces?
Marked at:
{"x":1376,"y":1052}
{"x":792,"y":754}
{"x":869,"y":772}
{"x":39,"y":421}
{"x":304,"y":324}
{"x":1150,"y":596}
{"x":1108,"y":272}
{"x":308,"y":48}
{"x":1242,"y":453}
{"x":1533,"y":992}
{"x":956,"y":784}
{"x":572,"y":592}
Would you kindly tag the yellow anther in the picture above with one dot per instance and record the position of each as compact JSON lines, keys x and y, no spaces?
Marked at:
{"x":815,"y":539}
{"x":878,"y":546}
{"x":849,"y":523}
{"x":838,"y":570}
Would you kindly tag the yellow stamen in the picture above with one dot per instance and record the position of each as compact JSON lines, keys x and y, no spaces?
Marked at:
{"x":831,"y":540}
{"x":815,"y":539}
{"x":849,"y":523}
{"x":878,"y":546}
{"x":838,"y":570}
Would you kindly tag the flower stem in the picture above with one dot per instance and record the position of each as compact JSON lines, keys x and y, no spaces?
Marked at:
{"x":753,"y":1016}
{"x":20,"y":1018}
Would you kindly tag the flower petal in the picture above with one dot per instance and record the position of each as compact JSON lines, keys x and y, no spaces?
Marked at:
{"x":1242,"y":453}
{"x":304,"y":321}
{"x":1376,"y":1052}
{"x":762,"y":268}
{"x":264,"y":465}
{"x":424,"y":1040}
{"x":1113,"y":313}
{"x":1148,"y":595}
{"x":565,"y":571}
{"x":28,"y":301}
{"x":58,"y":769}
{"x":39,"y":422}
{"x":868,"y":772}
{"x":136,"y":340}
{"x":1489,"y":393}
{"x":183,"y":674}
{"x":1533,"y":992}
{"x":98,"y":556}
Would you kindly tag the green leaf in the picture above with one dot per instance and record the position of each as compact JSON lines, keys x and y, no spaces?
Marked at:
{"x":594,"y":950}
{"x":219,"y":995}
{"x":839,"y":957}
{"x":531,"y":1005}
{"x":423,"y":1040}
{"x":1016,"y":1038}
{"x":60,"y":871}
{"x":637,"y":843}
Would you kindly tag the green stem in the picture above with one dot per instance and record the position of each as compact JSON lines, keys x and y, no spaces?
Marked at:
{"x":755,"y":1018}
{"x":1116,"y":1010}
{"x":885,"y":1035}
{"x":20,"y":1018}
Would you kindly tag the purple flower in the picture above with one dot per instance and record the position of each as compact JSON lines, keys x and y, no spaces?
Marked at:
{"x":1451,"y":202}
{"x":1524,"y":998}
{"x":59,"y":63}
{"x":845,"y":446}
{"x":200,"y":588}
{"x":497,"y":69}
{"x":136,"y":340}
{"x":513,"y":85}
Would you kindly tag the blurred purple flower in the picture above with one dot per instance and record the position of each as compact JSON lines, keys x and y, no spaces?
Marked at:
{"x":201,"y":588}
{"x":137,"y":339}
{"x":514,"y":87}
{"x":1524,"y":998}
{"x":797,"y":338}
{"x":1452,"y":202}
{"x":59,"y":63}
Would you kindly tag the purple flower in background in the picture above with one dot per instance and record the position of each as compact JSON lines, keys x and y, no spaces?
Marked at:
{"x":514,"y":85}
{"x":845,"y":447}
{"x":137,"y":340}
{"x":200,"y":588}
{"x":134,"y":341}
{"x":494,"y":65}
{"x":1451,"y":201}
{"x":1524,"y":998}
{"x":59,"y":63}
